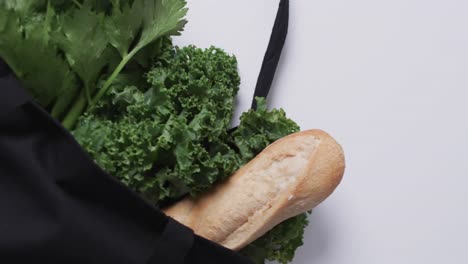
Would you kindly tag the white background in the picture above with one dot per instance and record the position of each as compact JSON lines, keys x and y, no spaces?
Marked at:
{"x":389,"y":80}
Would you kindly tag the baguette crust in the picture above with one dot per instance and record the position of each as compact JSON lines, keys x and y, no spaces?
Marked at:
{"x":289,"y":177}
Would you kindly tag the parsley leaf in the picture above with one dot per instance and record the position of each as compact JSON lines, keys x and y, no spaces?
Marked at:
{"x":83,"y":27}
{"x":160,"y":18}
{"x":82,"y":42}
{"x":124,"y":25}
{"x":32,"y":42}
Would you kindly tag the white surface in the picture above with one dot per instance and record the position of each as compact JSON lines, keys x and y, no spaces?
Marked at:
{"x":388,"y":79}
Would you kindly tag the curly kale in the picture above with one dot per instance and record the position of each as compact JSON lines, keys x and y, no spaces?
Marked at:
{"x":280,"y":243}
{"x":169,"y":135}
{"x":168,"y":138}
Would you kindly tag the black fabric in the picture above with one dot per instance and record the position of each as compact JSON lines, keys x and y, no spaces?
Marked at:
{"x":11,"y":93}
{"x":57,"y":206}
{"x":4,"y":69}
{"x":174,"y":234}
{"x":218,"y":254}
{"x":273,"y":52}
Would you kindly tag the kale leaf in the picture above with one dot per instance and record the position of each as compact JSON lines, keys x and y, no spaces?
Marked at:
{"x":280,"y":243}
{"x":168,"y":138}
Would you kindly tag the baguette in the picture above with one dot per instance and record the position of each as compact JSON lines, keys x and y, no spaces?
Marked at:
{"x":289,"y":177}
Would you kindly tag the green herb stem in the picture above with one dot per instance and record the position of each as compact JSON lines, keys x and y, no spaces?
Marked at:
{"x":64,"y":102}
{"x":77,"y":3}
{"x":109,"y":81}
{"x":77,"y":109}
{"x":55,"y":112}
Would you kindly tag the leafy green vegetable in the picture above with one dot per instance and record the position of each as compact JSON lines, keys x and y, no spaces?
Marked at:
{"x":260,"y":128}
{"x":122,"y":28}
{"x":170,"y":137}
{"x":81,"y":42}
{"x":280,"y":243}
{"x":83,"y":28}
{"x":28,"y":37}
{"x":159,"y":18}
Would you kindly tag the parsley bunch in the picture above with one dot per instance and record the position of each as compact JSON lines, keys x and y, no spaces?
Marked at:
{"x":71,"y":46}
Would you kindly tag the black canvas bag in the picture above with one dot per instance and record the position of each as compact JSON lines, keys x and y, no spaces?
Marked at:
{"x":58,"y":206}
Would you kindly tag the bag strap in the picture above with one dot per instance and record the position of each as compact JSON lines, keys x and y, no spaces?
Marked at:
{"x":273,"y":52}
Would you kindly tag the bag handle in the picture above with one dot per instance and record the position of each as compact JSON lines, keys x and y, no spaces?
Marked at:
{"x":273,"y":52}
